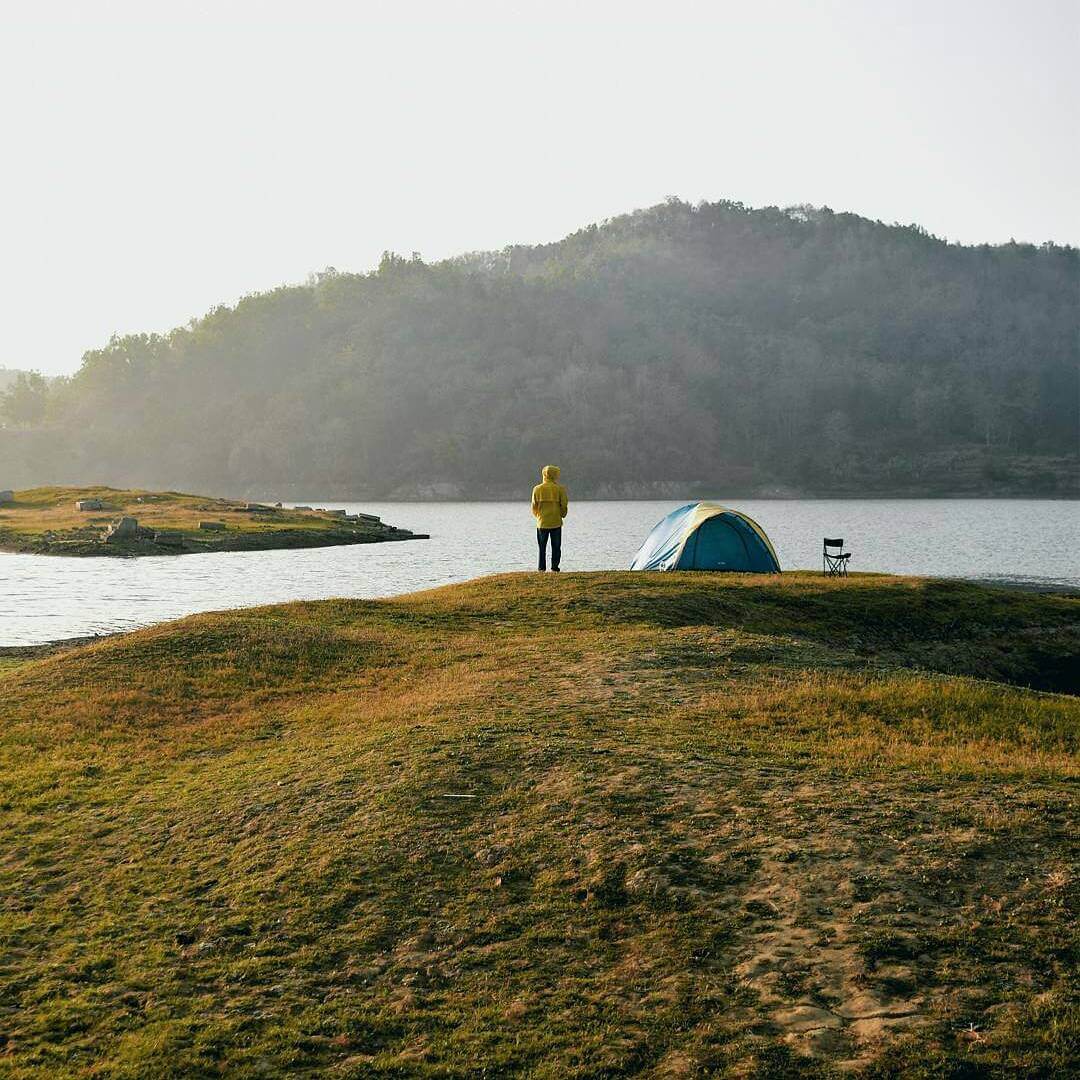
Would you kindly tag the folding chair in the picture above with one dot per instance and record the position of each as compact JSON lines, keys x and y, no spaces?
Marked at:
{"x":834,"y":562}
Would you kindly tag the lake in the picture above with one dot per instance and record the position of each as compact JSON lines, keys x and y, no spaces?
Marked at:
{"x":46,"y":599}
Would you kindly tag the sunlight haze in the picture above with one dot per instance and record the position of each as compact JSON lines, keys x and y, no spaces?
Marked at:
{"x":163,"y":159}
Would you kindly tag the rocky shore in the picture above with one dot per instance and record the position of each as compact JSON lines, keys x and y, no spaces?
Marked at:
{"x":110,"y":522}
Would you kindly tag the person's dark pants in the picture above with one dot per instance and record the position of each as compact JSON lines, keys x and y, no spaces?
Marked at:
{"x":542,"y":536}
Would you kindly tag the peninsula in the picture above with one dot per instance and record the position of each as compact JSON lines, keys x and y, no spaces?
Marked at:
{"x":107,"y":521}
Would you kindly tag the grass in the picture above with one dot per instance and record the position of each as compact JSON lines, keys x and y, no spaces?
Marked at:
{"x":593,"y":825}
{"x":45,"y":521}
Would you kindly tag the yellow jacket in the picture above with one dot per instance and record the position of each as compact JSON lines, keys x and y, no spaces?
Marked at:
{"x":549,"y":502}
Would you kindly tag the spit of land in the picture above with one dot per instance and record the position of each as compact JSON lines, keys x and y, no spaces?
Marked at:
{"x":105,"y":521}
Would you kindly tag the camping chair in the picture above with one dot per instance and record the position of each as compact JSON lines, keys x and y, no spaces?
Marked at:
{"x":834,"y":563}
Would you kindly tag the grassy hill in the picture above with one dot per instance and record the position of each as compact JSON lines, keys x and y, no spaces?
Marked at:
{"x":595,"y":825}
{"x":47,"y":521}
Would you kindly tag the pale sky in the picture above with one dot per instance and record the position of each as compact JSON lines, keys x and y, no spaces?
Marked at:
{"x":161,"y":158}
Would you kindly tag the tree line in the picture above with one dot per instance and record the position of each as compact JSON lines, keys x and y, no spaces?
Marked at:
{"x":708,"y":347}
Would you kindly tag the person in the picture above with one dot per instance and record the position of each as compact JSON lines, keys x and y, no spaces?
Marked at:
{"x":549,"y":506}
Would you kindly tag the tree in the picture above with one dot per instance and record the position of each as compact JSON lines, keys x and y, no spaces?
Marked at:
{"x":26,"y":401}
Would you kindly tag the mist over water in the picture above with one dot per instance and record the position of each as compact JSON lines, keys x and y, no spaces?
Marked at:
{"x":50,"y":598}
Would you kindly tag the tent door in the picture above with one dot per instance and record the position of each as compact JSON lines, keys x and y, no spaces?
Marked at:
{"x":718,"y":546}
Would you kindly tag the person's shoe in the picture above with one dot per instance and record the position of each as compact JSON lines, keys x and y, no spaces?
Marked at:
{"x":554,"y":569}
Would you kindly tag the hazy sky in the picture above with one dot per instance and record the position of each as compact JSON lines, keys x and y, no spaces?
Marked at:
{"x":160,"y":158}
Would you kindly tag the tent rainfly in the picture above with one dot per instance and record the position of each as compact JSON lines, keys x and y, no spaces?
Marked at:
{"x":704,"y":536}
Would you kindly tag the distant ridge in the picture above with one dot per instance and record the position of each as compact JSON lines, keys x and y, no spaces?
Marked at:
{"x":708,"y":349}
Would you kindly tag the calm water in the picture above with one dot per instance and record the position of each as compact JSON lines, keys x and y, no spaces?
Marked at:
{"x":45,"y":599}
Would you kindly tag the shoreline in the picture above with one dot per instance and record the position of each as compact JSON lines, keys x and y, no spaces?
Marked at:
{"x":48,"y":648}
{"x":297,"y":541}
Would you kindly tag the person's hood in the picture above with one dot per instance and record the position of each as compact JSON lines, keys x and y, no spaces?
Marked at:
{"x":550,"y":472}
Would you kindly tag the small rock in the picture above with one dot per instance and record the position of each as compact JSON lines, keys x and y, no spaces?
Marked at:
{"x":169,"y":537}
{"x":88,"y":504}
{"x":301,"y":507}
{"x":7,"y":495}
{"x":212,"y":526}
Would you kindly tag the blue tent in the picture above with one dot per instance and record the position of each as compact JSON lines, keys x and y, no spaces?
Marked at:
{"x":704,"y":536}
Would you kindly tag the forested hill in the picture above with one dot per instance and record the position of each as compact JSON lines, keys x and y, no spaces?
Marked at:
{"x":676,"y":350}
{"x":8,"y":376}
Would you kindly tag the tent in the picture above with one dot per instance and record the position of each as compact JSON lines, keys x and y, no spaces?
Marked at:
{"x":704,"y":536}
